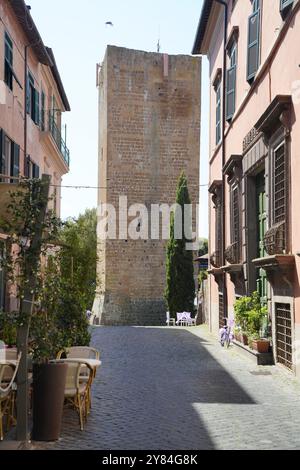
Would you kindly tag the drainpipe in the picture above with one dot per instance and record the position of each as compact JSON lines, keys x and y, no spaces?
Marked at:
{"x":25,"y":102}
{"x":224,"y":4}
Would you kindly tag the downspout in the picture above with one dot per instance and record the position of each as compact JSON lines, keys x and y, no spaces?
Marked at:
{"x":25,"y":102}
{"x":224,"y":4}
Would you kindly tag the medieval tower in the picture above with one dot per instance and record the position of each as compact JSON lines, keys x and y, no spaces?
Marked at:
{"x":149,"y":132}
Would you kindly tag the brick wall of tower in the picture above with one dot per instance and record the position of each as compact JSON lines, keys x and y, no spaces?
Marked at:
{"x":149,"y":131}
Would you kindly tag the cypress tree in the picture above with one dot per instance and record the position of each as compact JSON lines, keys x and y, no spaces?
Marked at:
{"x":180,"y":288}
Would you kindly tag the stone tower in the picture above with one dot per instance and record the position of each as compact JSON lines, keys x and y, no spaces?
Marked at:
{"x":149,"y":131}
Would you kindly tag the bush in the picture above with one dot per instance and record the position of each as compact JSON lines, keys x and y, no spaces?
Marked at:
{"x":250,"y":315}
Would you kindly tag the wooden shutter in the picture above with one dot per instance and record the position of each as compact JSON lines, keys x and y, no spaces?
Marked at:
{"x":230,"y":92}
{"x":35,"y":171}
{"x":253,"y":44}
{"x":28,"y":95}
{"x":15,"y":161}
{"x":285,"y":6}
{"x":36,"y":107}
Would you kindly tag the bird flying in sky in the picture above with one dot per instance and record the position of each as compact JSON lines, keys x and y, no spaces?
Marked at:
{"x":109,"y":23}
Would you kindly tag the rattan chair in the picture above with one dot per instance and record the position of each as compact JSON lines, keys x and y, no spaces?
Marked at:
{"x":79,"y":352}
{"x":6,"y":391}
{"x":77,"y":391}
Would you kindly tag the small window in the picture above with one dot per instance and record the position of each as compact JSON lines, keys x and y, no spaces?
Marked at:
{"x":231,"y":82}
{"x":285,"y":7}
{"x":218,"y":111}
{"x":253,"y":41}
{"x":31,"y":170}
{"x":8,"y":67}
{"x":9,"y":158}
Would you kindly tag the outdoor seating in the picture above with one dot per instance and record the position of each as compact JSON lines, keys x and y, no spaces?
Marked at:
{"x":88,"y":355}
{"x":7,"y":391}
{"x":77,"y":391}
{"x":170,"y":321}
{"x":82,"y":352}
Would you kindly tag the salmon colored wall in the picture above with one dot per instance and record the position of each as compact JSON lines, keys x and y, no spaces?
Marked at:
{"x":282,"y":79}
{"x":12,"y":112}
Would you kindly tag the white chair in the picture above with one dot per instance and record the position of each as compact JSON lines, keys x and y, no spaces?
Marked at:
{"x":80,"y":352}
{"x":170,"y":321}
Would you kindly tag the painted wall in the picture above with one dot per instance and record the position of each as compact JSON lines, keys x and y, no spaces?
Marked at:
{"x":281,"y":77}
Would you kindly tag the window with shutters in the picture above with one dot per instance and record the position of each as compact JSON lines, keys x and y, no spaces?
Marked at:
{"x":231,"y":81}
{"x":31,"y":169}
{"x":285,"y":7}
{"x":8,"y":65}
{"x":33,"y":100}
{"x":218,"y":111}
{"x":43,"y":111}
{"x":235,"y":214}
{"x":10,"y":159}
{"x":253,"y":59}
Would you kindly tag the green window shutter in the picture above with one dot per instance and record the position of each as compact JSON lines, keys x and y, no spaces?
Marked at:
{"x":253,"y":45}
{"x":37,"y":107}
{"x":35,"y":171}
{"x":15,"y":161}
{"x":285,"y":6}
{"x":230,"y":92}
{"x":27,"y":167}
{"x":28,"y":95}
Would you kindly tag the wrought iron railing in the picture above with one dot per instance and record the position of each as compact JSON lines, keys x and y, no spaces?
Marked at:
{"x":56,"y":134}
{"x":232,"y":253}
{"x":215,"y":259}
{"x":274,"y":240}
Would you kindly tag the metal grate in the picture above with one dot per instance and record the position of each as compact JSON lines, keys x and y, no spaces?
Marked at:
{"x":284,"y":335}
{"x":279,"y":186}
{"x":221,"y":310}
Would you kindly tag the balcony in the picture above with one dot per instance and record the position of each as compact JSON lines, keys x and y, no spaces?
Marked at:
{"x":215,"y":259}
{"x":53,"y":129}
{"x":232,"y":253}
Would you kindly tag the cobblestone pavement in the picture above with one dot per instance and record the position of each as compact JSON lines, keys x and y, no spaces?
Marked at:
{"x":176,"y":388}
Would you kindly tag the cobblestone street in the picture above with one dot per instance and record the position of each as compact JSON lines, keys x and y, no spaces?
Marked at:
{"x":173,"y":388}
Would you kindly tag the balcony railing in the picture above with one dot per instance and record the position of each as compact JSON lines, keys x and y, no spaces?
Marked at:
{"x":215,"y":259}
{"x":232,"y":253}
{"x":56,"y":134}
{"x":275,"y":239}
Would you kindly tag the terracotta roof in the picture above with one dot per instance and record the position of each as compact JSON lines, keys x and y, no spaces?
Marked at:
{"x":204,"y":17}
{"x":58,"y":80}
{"x":24,"y":18}
{"x":44,"y":54}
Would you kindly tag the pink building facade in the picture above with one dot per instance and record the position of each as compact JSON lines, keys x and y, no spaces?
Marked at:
{"x":32,"y":100}
{"x":252,"y":47}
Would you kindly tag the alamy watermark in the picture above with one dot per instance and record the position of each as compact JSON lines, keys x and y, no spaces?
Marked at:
{"x":139,"y":222}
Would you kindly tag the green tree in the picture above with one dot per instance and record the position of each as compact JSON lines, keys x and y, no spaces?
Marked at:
{"x":180,"y":288}
{"x":79,"y":256}
{"x":203,"y":250}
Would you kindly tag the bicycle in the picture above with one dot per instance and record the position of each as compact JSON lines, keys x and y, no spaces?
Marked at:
{"x":226,"y":335}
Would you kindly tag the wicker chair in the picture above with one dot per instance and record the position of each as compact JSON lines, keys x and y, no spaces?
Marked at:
{"x":77,"y":391}
{"x":7,"y":392}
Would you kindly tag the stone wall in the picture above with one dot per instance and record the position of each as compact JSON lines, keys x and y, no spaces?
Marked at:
{"x":149,"y":131}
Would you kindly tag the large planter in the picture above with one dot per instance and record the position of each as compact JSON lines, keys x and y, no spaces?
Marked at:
{"x":261,"y":345}
{"x":49,"y":382}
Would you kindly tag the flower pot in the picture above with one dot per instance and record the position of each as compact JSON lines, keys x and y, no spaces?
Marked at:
{"x":261,"y":345}
{"x":245,"y":339}
{"x":238,"y":337}
{"x":49,"y":382}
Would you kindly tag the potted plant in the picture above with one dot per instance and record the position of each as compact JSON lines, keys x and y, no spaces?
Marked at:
{"x":257,"y":316}
{"x":241,"y":308}
{"x":49,"y":378}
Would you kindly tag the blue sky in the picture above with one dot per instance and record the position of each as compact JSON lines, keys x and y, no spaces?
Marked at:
{"x":77,"y":33}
